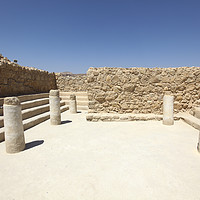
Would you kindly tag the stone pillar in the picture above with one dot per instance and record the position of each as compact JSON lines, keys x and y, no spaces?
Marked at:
{"x":198,"y":144}
{"x":54,"y":101}
{"x":14,"y":131}
{"x":72,"y":104}
{"x":168,"y":110}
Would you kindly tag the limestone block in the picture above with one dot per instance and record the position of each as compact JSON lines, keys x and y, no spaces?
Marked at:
{"x":100,"y":97}
{"x":115,"y":79}
{"x":129,"y":87}
{"x":117,"y":89}
{"x":110,"y":95}
{"x":124,"y":106}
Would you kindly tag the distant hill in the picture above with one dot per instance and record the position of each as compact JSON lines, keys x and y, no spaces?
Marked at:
{"x":69,"y":74}
{"x":66,"y":73}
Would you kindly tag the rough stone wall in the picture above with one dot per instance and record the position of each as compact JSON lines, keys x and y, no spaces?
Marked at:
{"x":18,"y":80}
{"x":141,"y":90}
{"x":71,"y":82}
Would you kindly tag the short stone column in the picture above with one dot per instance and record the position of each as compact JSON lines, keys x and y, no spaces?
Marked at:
{"x":168,"y":110}
{"x":54,"y":101}
{"x":72,"y":104}
{"x":14,"y":131}
{"x":198,"y":144}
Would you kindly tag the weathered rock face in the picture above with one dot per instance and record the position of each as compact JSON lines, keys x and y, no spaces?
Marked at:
{"x":141,"y":90}
{"x":18,"y":80}
{"x":71,"y":82}
{"x":110,"y":90}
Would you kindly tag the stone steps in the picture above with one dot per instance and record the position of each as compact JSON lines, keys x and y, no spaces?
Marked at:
{"x":32,"y":111}
{"x":78,"y":98}
{"x":79,"y":103}
{"x":33,"y":103}
{"x":30,"y":104}
{"x":35,"y":109}
{"x":76,"y":93}
{"x":81,"y":97}
{"x":29,"y":97}
{"x":30,"y":122}
{"x":27,"y":101}
{"x":33,"y":121}
{"x":82,"y":108}
{"x":23,"y":98}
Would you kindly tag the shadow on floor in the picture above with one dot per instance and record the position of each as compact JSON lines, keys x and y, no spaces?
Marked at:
{"x":66,"y":121}
{"x":33,"y":144}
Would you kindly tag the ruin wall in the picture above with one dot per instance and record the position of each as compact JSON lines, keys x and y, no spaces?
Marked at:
{"x":71,"y":82}
{"x":141,"y":90}
{"x":18,"y":80}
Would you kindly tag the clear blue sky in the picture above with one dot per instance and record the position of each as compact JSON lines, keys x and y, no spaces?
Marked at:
{"x":74,"y":35}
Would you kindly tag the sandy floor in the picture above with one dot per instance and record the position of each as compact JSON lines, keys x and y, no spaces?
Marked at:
{"x":82,"y":160}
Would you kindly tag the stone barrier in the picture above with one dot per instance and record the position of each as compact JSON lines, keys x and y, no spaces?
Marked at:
{"x":72,"y":104}
{"x":141,"y":90}
{"x":54,"y":100}
{"x":14,"y":132}
{"x":20,"y":80}
{"x":168,"y":110}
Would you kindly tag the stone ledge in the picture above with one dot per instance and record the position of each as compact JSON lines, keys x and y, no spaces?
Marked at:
{"x":94,"y":117}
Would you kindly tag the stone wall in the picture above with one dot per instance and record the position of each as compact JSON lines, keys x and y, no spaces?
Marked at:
{"x":141,"y":90}
{"x":71,"y":82}
{"x":18,"y":80}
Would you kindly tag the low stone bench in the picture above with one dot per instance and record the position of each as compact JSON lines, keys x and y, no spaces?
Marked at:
{"x":94,"y":117}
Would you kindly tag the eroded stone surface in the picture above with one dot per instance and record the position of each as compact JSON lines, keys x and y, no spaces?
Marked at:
{"x":72,"y":97}
{"x":19,"y":80}
{"x":141,"y":90}
{"x":54,"y":93}
{"x":11,"y":101}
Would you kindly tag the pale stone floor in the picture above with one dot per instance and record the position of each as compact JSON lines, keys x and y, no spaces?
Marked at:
{"x":83,"y":160}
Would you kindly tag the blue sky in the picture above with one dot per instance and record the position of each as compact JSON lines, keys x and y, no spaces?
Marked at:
{"x":74,"y":35}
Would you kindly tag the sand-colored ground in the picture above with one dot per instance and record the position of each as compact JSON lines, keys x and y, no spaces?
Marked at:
{"x":82,"y":160}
